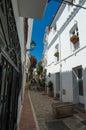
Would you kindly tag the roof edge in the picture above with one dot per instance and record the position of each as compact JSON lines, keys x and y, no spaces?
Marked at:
{"x":57,"y":12}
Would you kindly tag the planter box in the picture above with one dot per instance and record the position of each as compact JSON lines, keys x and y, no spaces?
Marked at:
{"x":62,"y":109}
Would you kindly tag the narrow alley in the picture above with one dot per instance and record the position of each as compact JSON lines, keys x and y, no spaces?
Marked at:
{"x":41,"y":107}
{"x":42,"y":65}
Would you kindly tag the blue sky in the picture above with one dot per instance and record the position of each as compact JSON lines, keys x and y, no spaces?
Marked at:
{"x":39,"y":29}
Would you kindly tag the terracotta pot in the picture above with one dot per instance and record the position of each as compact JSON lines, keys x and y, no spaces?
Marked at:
{"x":75,"y":40}
{"x":50,"y":94}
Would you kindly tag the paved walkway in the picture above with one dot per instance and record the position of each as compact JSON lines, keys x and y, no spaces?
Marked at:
{"x":27,"y":121}
{"x":40,"y":103}
{"x":42,"y":106}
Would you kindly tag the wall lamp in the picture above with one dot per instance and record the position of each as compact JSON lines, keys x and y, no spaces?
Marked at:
{"x":32,"y":45}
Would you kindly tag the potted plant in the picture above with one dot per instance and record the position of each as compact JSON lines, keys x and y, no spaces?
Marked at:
{"x":50,"y":89}
{"x":43,"y":84}
{"x":74,"y":39}
{"x":39,"y":85}
{"x":56,"y":54}
{"x":47,"y":28}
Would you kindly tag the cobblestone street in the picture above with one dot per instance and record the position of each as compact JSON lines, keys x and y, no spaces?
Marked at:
{"x":43,"y":110}
{"x":42,"y":106}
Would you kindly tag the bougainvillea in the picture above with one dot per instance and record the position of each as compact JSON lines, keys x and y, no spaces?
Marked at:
{"x":33,"y":61}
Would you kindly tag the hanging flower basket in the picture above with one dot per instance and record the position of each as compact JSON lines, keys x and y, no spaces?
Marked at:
{"x":74,"y":39}
{"x":56,"y":54}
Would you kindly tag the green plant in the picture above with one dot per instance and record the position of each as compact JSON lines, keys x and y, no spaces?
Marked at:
{"x":56,"y":54}
{"x":50,"y":86}
{"x":39,"y":82}
{"x":40,"y":68}
{"x":74,"y":39}
{"x":43,"y":83}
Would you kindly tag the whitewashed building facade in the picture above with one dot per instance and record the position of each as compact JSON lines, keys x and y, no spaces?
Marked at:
{"x":68,"y":70}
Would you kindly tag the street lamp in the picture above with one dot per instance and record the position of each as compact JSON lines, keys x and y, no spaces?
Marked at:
{"x":32,"y":45}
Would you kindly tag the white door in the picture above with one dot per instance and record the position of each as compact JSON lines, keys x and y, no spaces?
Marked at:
{"x":78,"y":85}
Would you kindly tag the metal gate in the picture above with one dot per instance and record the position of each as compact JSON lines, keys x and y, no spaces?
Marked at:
{"x":10,"y":67}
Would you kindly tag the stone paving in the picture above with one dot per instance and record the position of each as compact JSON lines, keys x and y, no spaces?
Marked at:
{"x":43,"y":110}
{"x":42,"y":107}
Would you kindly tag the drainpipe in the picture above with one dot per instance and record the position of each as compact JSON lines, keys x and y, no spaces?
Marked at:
{"x":60,"y":66}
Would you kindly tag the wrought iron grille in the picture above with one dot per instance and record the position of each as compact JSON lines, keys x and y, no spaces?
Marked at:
{"x":10,"y":67}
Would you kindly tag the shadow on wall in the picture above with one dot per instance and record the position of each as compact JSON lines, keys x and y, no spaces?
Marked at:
{"x":70,"y":84}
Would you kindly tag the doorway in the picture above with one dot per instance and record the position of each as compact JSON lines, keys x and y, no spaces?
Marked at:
{"x":78,"y":94}
{"x":57,"y":75}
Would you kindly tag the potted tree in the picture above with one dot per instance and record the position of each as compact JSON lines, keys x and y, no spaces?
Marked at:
{"x":50,"y":89}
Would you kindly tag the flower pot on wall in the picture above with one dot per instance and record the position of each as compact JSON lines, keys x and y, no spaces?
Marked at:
{"x":56,"y":54}
{"x":48,"y":28}
{"x":74,"y":39}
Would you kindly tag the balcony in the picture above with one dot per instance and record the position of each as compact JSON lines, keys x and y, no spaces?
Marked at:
{"x":31,"y":8}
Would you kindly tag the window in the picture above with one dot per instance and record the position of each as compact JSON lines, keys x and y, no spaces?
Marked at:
{"x":74,"y":37}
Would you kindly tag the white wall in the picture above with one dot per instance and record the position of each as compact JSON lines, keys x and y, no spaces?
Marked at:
{"x":30,"y":27}
{"x":51,"y":35}
{"x":65,"y":36}
{"x":69,"y":58}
